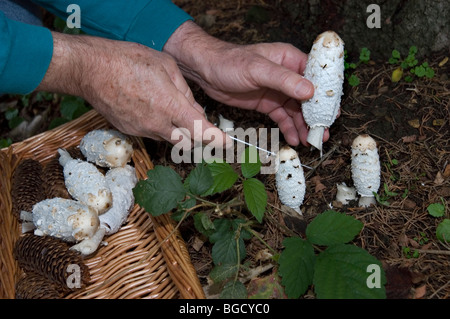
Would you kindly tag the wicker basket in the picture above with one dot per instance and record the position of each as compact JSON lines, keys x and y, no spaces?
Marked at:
{"x":146,"y":258}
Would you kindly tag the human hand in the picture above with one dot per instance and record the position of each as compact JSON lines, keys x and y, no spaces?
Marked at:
{"x":264,"y":77}
{"x":139,"y":90}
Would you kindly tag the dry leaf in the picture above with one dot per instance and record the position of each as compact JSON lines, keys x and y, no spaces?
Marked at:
{"x":438,"y":122}
{"x":414,"y":123}
{"x":444,"y":60}
{"x":409,"y":139}
{"x":447,"y":171}
{"x":439,"y":179}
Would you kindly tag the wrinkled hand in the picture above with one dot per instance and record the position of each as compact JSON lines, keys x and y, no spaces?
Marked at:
{"x":264,"y":77}
{"x":139,"y":90}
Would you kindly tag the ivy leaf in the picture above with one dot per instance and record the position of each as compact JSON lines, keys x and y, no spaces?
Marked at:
{"x":199,"y":179}
{"x":251,"y":164}
{"x":234,"y":290}
{"x":443,"y":230}
{"x":345,"y":272}
{"x":255,"y":197}
{"x":331,"y":228}
{"x":223,"y":177}
{"x":160,"y":192}
{"x":296,"y":266}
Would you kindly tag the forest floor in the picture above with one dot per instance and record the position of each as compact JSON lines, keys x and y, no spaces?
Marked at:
{"x":409,"y":121}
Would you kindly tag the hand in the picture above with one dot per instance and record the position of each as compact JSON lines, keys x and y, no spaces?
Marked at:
{"x":263,"y":77}
{"x":139,"y":90}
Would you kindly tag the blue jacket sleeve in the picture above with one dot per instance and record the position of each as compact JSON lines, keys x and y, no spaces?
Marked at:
{"x":26,"y":51}
{"x":149,"y":22}
{"x":25,"y":54}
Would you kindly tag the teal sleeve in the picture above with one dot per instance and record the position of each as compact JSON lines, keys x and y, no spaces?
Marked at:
{"x":25,"y":54}
{"x":149,"y":22}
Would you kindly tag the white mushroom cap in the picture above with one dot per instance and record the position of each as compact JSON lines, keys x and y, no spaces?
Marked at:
{"x":366,"y":168}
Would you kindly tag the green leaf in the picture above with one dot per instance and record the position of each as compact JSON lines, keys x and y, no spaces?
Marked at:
{"x":160,"y":192}
{"x":348,"y":272}
{"x":429,"y":73}
{"x":443,"y":231}
{"x":353,"y":80}
{"x":330,"y":228}
{"x":5,"y":142}
{"x":234,"y":290}
{"x":199,"y":179}
{"x":296,"y":266}
{"x":395,"y":54}
{"x":57,"y":121}
{"x":225,"y":249}
{"x":364,"y":55}
{"x":72,"y":107}
{"x":223,"y":175}
{"x":436,"y":210}
{"x":223,"y":272}
{"x":255,"y":197}
{"x":203,"y":224}
{"x":250,"y":162}
{"x":182,"y":207}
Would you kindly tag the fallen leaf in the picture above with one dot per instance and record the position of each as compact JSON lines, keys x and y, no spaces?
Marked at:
{"x":447,"y":171}
{"x":439,"y":179}
{"x":420,"y":292}
{"x":409,"y":139}
{"x":414,"y":123}
{"x":327,"y":162}
{"x":319,"y":186}
{"x":438,"y":122}
{"x":444,"y":60}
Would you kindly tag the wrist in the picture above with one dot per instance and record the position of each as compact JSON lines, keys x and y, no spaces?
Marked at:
{"x":192,"y":48}
{"x":64,"y":74}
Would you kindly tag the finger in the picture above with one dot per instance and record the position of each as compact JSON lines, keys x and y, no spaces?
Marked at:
{"x":271,"y":75}
{"x":201,"y":130}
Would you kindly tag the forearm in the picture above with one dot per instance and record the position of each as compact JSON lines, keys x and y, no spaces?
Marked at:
{"x":65,"y":72}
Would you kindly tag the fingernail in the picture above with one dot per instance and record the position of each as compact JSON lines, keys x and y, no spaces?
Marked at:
{"x":304,"y":90}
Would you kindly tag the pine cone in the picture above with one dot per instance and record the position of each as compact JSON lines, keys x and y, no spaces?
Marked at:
{"x":51,"y":258}
{"x":34,"y":286}
{"x":26,"y":186}
{"x":54,"y":175}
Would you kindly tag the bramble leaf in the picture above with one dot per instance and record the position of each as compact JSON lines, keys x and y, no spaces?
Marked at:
{"x":160,"y":192}
{"x":296,"y":266}
{"x":223,"y":175}
{"x":234,"y":290}
{"x":200,"y":179}
{"x":255,"y":197}
{"x":330,"y":228}
{"x":348,"y":272}
{"x":251,"y":164}
{"x":443,"y":231}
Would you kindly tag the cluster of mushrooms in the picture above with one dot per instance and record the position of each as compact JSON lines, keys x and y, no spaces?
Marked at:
{"x":100,"y":203}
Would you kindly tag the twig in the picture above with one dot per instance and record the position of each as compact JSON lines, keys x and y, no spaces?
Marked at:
{"x":431,"y":251}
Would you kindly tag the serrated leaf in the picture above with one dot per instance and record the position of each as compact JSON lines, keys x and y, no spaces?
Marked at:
{"x":234,"y":290}
{"x":199,"y":179}
{"x":296,"y":266}
{"x":223,"y":272}
{"x":225,"y":250}
{"x":348,"y":272}
{"x":436,"y":210}
{"x":223,"y":175}
{"x":203,"y":224}
{"x":443,"y":231}
{"x":250,"y":162}
{"x":182,"y":207}
{"x":268,"y":287}
{"x":255,"y":197}
{"x":160,"y":192}
{"x":330,"y":228}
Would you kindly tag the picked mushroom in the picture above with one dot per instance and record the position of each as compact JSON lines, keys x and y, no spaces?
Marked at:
{"x":62,"y":218}
{"x":345,"y":193}
{"x":325,"y":69}
{"x":106,"y":148}
{"x":121,"y":181}
{"x":85,"y":182}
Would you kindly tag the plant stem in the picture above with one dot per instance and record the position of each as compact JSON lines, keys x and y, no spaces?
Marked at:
{"x":254,"y":233}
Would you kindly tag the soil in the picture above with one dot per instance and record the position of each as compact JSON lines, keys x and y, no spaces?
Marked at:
{"x":409,"y":121}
